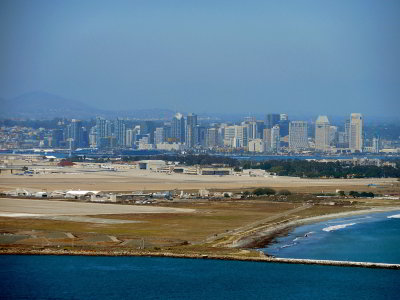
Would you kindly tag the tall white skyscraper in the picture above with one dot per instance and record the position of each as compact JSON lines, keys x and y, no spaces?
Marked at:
{"x":322,"y":133}
{"x":356,"y":134}
{"x":298,"y":135}
{"x":275,"y":139}
{"x":191,"y":136}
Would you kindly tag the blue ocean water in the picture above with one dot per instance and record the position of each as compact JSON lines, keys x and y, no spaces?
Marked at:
{"x":80,"y":277}
{"x":370,"y":238}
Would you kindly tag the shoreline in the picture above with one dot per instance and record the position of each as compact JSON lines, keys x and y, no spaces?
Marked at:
{"x":267,"y":236}
{"x":265,"y":259}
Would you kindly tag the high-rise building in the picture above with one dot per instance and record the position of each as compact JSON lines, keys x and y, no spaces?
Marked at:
{"x":129,"y":138}
{"x":275,"y":139}
{"x":271,"y":120}
{"x":212,"y":137}
{"x":191,"y":131}
{"x":298,"y":135}
{"x":119,"y":131}
{"x":148,"y":127}
{"x":267,"y":139}
{"x":178,"y":128}
{"x":375,"y":145}
{"x":57,"y":137}
{"x":100,"y":129}
{"x":236,"y":136}
{"x":159,"y":135}
{"x":284,"y":125}
{"x":356,"y":136}
{"x":322,"y":133}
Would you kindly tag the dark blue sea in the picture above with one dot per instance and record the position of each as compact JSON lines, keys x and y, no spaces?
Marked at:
{"x":370,"y":238}
{"x":80,"y":277}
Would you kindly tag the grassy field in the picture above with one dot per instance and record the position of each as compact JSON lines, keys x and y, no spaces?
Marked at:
{"x":208,"y":229}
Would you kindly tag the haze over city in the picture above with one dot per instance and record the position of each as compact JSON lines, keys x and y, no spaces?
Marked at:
{"x":309,"y":57}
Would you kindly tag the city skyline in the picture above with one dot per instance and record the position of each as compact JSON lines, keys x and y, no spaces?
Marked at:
{"x":274,"y":134}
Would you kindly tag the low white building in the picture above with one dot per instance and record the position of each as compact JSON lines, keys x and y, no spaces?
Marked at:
{"x":153,"y":165}
{"x":80,"y":194}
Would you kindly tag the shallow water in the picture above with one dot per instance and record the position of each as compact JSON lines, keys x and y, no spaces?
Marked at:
{"x":371,"y":238}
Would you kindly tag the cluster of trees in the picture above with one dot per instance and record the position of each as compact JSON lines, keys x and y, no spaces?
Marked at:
{"x":266,"y":191}
{"x":355,"y":194}
{"x":314,"y":169}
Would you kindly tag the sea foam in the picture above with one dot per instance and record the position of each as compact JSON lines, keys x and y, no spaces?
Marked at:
{"x":337,"y":227}
{"x":394,"y":217}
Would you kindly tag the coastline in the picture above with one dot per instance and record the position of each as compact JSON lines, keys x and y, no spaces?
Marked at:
{"x":266,"y":236}
{"x":261,"y":258}
{"x":260,"y":238}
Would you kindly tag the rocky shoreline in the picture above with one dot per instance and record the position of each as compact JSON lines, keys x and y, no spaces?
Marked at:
{"x":261,"y":258}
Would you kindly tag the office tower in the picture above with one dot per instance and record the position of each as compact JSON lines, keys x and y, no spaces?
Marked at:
{"x":100,"y":128}
{"x":159,"y":135}
{"x":241,"y":135}
{"x":260,"y":127}
{"x":333,"y":135}
{"x":148,"y":127}
{"x":356,"y":137}
{"x":322,"y":134}
{"x":221,"y":134}
{"x":77,"y":136}
{"x":119,"y":132}
{"x":191,"y":130}
{"x":236,"y":136}
{"x":275,"y":139}
{"x":129,"y":138}
{"x":212,"y":137}
{"x":347,"y":134}
{"x":267,"y":139}
{"x":271,"y":120}
{"x":200,"y":135}
{"x":57,"y":137}
{"x":375,"y":145}
{"x":284,"y":125}
{"x":178,"y":128}
{"x":298,"y":135}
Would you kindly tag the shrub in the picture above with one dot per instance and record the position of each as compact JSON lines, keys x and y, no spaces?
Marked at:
{"x":264,"y":191}
{"x":284,"y":192}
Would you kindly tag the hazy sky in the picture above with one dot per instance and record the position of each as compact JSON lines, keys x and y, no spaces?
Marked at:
{"x":328,"y":57}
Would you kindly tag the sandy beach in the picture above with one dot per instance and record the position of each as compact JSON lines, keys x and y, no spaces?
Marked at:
{"x":272,"y":231}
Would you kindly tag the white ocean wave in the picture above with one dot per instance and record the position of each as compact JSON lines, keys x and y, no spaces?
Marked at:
{"x":288,"y":245}
{"x":394,"y":217}
{"x":347,"y":220}
{"x":337,"y":227}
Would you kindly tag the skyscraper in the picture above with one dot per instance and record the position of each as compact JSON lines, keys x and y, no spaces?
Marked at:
{"x":191,"y":126}
{"x":267,"y":139}
{"x":178,"y":128}
{"x":284,"y":125}
{"x":212,"y":137}
{"x":271,"y":120}
{"x":275,"y":139}
{"x":356,"y":136}
{"x":322,"y":133}
{"x":119,"y":130}
{"x":159,"y":135}
{"x":298,"y":135}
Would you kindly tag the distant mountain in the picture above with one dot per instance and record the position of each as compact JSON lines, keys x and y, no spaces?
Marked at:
{"x":43,"y":105}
